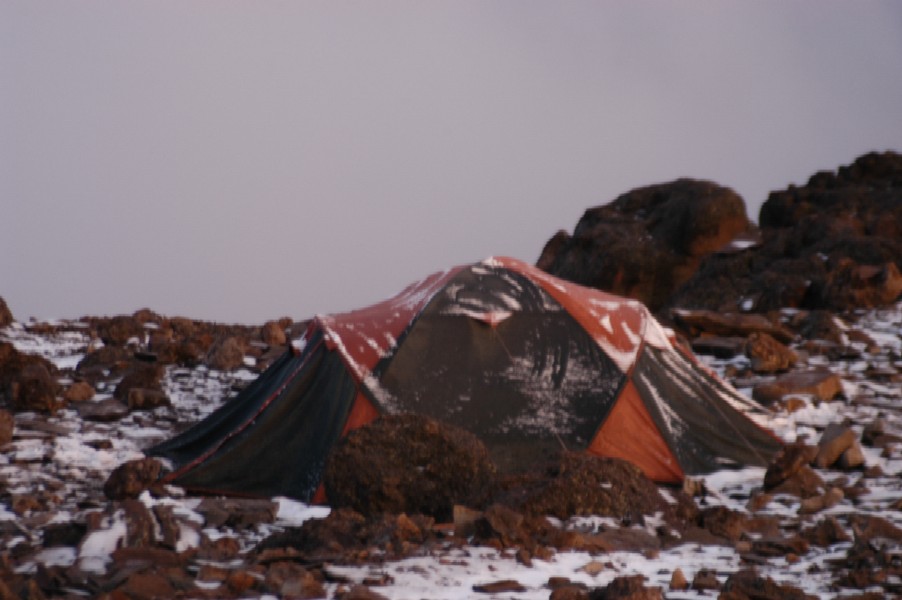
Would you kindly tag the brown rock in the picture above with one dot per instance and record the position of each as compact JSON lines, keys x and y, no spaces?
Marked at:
{"x":34,"y":389}
{"x":147,"y":585}
{"x":289,"y":579}
{"x":144,"y":399}
{"x":768,"y":355}
{"x":630,"y":587}
{"x":360,"y":592}
{"x":409,"y":464}
{"x":678,"y":581}
{"x":852,"y":458}
{"x":105,"y":361}
{"x":804,"y":483}
{"x":129,"y":479}
{"x":828,"y":499}
{"x":140,"y":375}
{"x":117,"y":331}
{"x":729,"y":324}
{"x":499,"y":587}
{"x":103,"y":411}
{"x":822,"y":384}
{"x":647,"y":242}
{"x":6,"y":316}
{"x":273,"y":334}
{"x":834,"y":243}
{"x":835,"y":440}
{"x":227,"y":354}
{"x":80,"y":391}
{"x":237,"y":513}
{"x":569,"y":592}
{"x":705,"y":579}
{"x":7,"y":426}
{"x":723,"y":522}
{"x":787,"y":463}
{"x":718,"y":346}
{"x":748,"y":584}
{"x":826,"y":532}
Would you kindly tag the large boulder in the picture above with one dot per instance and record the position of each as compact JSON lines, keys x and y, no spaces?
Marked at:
{"x":649,"y":241}
{"x":834,"y":243}
{"x":408,"y":464}
{"x":27,"y":381}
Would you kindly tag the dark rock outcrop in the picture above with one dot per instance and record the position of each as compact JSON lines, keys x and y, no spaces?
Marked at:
{"x":649,"y":241}
{"x":834,"y":243}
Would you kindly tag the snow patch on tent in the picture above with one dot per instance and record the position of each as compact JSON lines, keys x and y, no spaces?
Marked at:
{"x":548,"y":409}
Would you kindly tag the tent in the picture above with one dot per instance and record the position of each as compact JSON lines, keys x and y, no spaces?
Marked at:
{"x":526,"y":361}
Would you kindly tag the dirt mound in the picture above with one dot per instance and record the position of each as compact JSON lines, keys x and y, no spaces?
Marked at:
{"x":409,"y":464}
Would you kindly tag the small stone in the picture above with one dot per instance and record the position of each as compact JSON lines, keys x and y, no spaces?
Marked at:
{"x":145,"y":399}
{"x":129,"y":479}
{"x":80,"y":391}
{"x":103,"y":411}
{"x":853,"y":458}
{"x":705,"y":579}
{"x":768,"y":355}
{"x":787,"y":463}
{"x":835,"y":440}
{"x":678,"y":581}
{"x":592,"y":568}
{"x":499,"y":587}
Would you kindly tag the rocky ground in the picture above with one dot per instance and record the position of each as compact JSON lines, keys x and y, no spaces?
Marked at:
{"x":801,"y":313}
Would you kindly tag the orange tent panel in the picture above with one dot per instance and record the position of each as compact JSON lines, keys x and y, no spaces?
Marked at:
{"x":630,"y":433}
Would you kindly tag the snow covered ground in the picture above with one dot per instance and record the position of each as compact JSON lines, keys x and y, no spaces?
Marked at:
{"x":67,"y":459}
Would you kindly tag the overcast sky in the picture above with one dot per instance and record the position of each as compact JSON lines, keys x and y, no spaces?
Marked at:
{"x":241,"y":161}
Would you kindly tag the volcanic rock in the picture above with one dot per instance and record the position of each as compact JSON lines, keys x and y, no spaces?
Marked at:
{"x":144,"y":399}
{"x":649,"y":241}
{"x":102,"y":411}
{"x":273,"y":333}
{"x":226,"y":354}
{"x":80,"y":391}
{"x":409,"y":464}
{"x":835,"y":243}
{"x":694,"y":322}
{"x":787,"y":463}
{"x":7,"y":426}
{"x":822,"y":384}
{"x":6,"y":316}
{"x":117,"y":331}
{"x":768,"y":355}
{"x":131,"y":478}
{"x":631,"y":587}
{"x":835,"y":440}
{"x":34,"y":390}
{"x":140,"y":375}
{"x":748,"y":584}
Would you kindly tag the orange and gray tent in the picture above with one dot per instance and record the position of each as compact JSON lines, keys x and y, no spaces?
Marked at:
{"x":525,"y":361}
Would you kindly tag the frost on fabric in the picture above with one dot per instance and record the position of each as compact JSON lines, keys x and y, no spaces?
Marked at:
{"x":549,"y":408}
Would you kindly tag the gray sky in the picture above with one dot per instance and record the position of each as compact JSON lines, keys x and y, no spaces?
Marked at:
{"x":240,"y":161}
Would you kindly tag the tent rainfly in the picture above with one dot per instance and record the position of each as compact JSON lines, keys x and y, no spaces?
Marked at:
{"x":525,"y":361}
